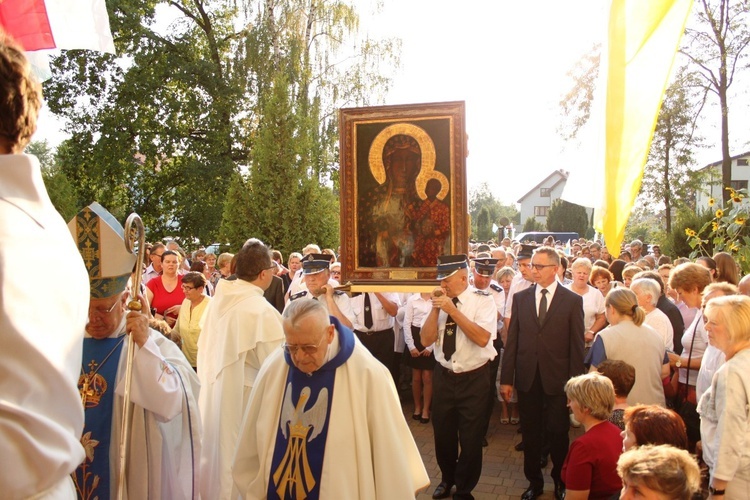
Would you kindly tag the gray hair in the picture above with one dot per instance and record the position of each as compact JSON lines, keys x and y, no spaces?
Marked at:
{"x":301,"y":308}
{"x":647,"y":286}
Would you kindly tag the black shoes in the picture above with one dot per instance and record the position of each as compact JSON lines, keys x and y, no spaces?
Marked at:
{"x":532,"y":492}
{"x":519,"y":446}
{"x":485,"y":444}
{"x":443,"y":490}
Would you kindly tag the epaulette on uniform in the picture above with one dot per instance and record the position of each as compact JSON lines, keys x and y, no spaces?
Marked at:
{"x":496,"y":287}
{"x":482,"y":292}
{"x":298,"y":295}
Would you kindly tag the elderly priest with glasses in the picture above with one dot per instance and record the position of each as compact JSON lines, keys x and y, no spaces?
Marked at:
{"x":324,"y":420}
{"x":165,"y":428}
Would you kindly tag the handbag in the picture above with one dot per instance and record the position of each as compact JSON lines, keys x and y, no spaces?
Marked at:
{"x":685,"y":408}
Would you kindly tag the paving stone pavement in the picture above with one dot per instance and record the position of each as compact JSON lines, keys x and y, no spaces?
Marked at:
{"x":502,"y":467}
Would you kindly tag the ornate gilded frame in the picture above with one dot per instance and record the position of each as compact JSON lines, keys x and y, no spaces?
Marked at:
{"x":371,"y":261}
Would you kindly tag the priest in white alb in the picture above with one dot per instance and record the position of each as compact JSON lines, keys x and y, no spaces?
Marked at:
{"x":324,"y":420}
{"x":241,"y":330}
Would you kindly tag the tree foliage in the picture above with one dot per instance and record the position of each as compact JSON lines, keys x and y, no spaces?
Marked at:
{"x":564,"y":216}
{"x":486,"y":210}
{"x":532,"y":225}
{"x":668,"y":181}
{"x":576,"y":103}
{"x":61,"y":191}
{"x":191,"y":109}
{"x":717,"y":46}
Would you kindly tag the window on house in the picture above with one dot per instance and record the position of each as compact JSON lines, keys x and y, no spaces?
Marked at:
{"x":742,"y":162}
{"x":545,"y":192}
{"x":739,"y":185}
{"x":541,"y":211}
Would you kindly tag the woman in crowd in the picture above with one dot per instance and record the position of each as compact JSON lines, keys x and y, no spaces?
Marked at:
{"x":294,"y":264}
{"x":709,"y":264}
{"x":509,"y":409}
{"x":593,"y":301}
{"x":421,"y":359}
{"x":689,"y":280}
{"x":602,"y":279}
{"x":658,"y":473}
{"x":281,"y":270}
{"x":725,"y":425}
{"x":224,"y":263}
{"x":628,"y":273}
{"x":164,"y":292}
{"x":200,"y":266}
{"x":628,"y":340}
{"x":653,"y":424}
{"x":213,"y":274}
{"x":648,"y":291}
{"x":605,"y":255}
{"x":562,"y":269}
{"x":726,"y":268}
{"x":589,"y":470}
{"x":188,"y":329}
{"x":616,"y":268}
{"x":622,"y":376}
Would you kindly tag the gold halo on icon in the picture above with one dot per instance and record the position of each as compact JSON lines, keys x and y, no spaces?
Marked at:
{"x":427,"y":147}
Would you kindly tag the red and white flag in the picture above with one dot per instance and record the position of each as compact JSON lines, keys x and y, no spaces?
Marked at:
{"x":57,"y":24}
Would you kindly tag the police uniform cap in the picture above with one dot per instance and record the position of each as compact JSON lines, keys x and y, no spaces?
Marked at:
{"x":448,"y":265}
{"x":314,"y":263}
{"x":485,"y":267}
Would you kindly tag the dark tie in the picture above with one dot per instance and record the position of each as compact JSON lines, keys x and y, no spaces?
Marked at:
{"x":449,"y":336}
{"x":368,"y":312}
{"x":543,"y":306}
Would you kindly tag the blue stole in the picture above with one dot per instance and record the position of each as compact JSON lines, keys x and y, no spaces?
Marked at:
{"x":297,"y":464}
{"x":92,"y":476}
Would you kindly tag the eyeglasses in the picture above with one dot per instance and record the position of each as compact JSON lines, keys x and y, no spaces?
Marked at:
{"x":308,"y":349}
{"x":539,"y":267}
{"x":187,"y":288}
{"x":104,"y":312}
{"x":273,"y":266}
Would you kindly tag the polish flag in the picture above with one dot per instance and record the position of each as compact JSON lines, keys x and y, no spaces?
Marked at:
{"x":57,"y":24}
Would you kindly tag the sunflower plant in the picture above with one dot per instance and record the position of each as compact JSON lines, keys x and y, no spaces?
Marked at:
{"x":727,"y":232}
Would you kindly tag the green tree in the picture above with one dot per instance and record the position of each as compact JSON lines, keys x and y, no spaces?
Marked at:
{"x":668,"y":180}
{"x":532,"y":225}
{"x":166,"y":129}
{"x":61,"y":191}
{"x":717,"y":45}
{"x":481,"y":198}
{"x":564,"y":216}
{"x":576,"y":102}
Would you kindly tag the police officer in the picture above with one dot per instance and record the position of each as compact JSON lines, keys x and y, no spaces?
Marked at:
{"x":316,"y":275}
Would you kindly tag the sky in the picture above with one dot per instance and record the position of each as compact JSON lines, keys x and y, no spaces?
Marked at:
{"x":508,"y":61}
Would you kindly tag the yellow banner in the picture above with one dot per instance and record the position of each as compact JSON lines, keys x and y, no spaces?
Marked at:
{"x":644,"y":36}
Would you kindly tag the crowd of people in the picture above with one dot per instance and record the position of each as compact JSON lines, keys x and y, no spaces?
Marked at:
{"x":235,"y":375}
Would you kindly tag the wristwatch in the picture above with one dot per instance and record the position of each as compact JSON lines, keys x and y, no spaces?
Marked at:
{"x":678,"y":363}
{"x":713,"y":491}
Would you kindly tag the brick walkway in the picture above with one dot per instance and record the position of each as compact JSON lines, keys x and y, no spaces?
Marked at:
{"x":502,"y":466}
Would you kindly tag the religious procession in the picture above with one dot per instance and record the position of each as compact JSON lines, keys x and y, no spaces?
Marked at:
{"x":408,"y":360}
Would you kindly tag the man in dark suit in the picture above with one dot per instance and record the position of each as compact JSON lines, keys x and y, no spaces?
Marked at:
{"x":544,"y":349}
{"x":274,"y":294}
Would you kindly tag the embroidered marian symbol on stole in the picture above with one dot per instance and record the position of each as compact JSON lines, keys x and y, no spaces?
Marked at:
{"x":293,"y":477}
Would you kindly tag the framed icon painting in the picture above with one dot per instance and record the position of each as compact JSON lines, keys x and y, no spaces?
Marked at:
{"x":403,"y":192}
